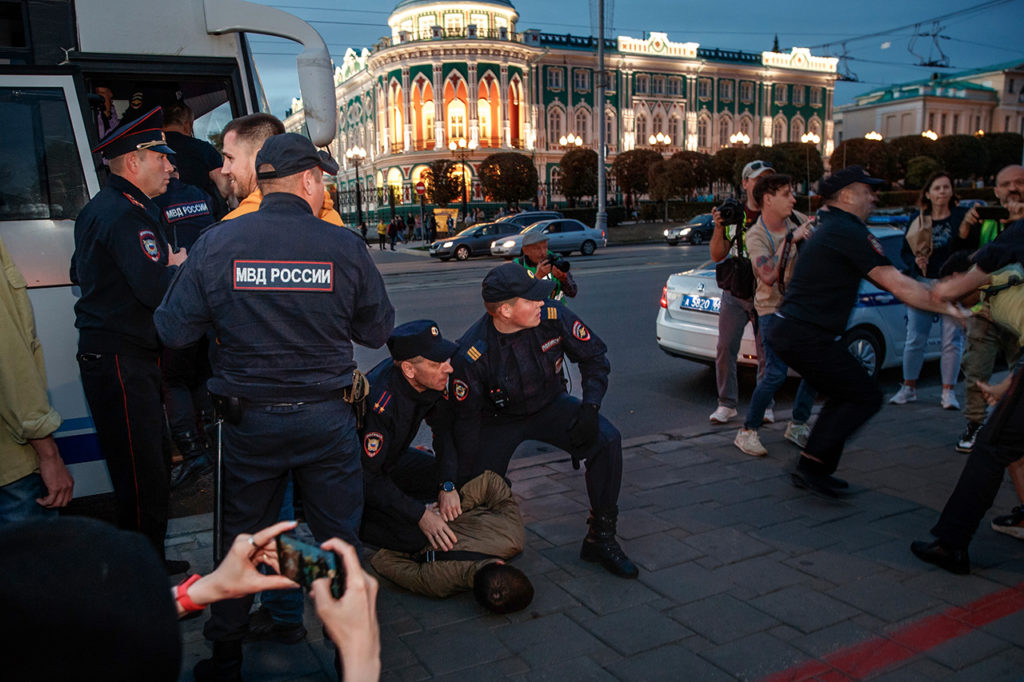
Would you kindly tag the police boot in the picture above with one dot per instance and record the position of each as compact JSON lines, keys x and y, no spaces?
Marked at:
{"x":192,"y":448}
{"x":224,"y":666}
{"x":600,"y":546}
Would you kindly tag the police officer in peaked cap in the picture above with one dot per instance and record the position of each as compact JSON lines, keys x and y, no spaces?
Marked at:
{"x":123,"y":265}
{"x":507,"y":387}
{"x":287,"y":294}
{"x":402,"y":483}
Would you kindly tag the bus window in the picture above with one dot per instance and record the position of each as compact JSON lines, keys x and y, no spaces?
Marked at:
{"x":40,"y":169}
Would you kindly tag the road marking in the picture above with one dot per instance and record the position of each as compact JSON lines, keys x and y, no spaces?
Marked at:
{"x":867,"y":658}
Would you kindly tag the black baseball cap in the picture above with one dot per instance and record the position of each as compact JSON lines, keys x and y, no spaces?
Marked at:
{"x":421,"y":337}
{"x":291,"y":153}
{"x":144,"y":132}
{"x":511,"y":280}
{"x":830,"y":186}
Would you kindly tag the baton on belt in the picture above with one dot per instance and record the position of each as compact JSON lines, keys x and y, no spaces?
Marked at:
{"x":218,"y":488}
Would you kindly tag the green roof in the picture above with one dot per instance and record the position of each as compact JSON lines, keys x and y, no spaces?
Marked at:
{"x":949,"y":80}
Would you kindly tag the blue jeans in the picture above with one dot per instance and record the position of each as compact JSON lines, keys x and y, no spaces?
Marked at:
{"x":285,"y":606}
{"x":774,"y":376}
{"x":18,"y":500}
{"x":919,"y":324}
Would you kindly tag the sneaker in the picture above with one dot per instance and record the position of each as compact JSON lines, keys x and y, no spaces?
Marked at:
{"x":748,"y":441}
{"x":769,"y":416}
{"x":1011,"y":524}
{"x":949,"y":401}
{"x":798,"y":433}
{"x":722,"y":414}
{"x":966,"y":442}
{"x":905,"y":395}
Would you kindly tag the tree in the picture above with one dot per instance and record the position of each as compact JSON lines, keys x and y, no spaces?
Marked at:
{"x":799,"y":160}
{"x":1003,"y":149}
{"x":875,"y":156}
{"x":579,"y":174}
{"x":508,"y":177}
{"x":962,"y":156}
{"x":722,"y":165}
{"x":443,"y":181}
{"x":678,"y":176}
{"x":910,"y":147}
{"x":919,"y":169}
{"x":745,"y":155}
{"x":696,"y":170}
{"x":630,"y":170}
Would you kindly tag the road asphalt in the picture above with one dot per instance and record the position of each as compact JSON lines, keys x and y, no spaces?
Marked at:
{"x":742,"y":576}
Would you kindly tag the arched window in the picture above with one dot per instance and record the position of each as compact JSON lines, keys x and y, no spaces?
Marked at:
{"x":641,"y":129}
{"x":779,"y":130}
{"x":724,"y":129}
{"x":488,"y":109}
{"x":516,"y":112}
{"x":395,"y":117}
{"x":746,"y":125}
{"x":796,"y":129}
{"x":556,"y":127}
{"x":455,"y":108}
{"x":704,"y":133}
{"x":815,"y":126}
{"x":610,"y":130}
{"x":582,"y":125}
{"x":395,"y":182}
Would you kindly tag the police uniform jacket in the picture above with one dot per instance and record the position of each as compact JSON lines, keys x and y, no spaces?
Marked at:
{"x":396,"y":410}
{"x":120,"y":263}
{"x":286,"y":295}
{"x":186,"y":211}
{"x":490,"y":523}
{"x":524,"y":367}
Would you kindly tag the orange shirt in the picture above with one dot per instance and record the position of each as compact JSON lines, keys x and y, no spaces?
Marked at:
{"x":251,"y":204}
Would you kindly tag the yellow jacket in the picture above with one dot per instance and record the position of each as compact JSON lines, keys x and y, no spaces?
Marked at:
{"x":251,"y":204}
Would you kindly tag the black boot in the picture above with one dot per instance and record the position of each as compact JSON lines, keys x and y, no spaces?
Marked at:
{"x":192,"y":448}
{"x":600,"y":545}
{"x":224,"y":666}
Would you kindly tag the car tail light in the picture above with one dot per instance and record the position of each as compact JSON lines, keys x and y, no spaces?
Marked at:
{"x":664,"y":297}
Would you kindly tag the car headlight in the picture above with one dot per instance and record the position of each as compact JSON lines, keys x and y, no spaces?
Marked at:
{"x":447,"y":245}
{"x":508,"y":244}
{"x":666,"y":233}
{"x":686,"y":231}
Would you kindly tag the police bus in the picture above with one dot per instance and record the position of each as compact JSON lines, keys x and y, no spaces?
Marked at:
{"x":54,"y":57}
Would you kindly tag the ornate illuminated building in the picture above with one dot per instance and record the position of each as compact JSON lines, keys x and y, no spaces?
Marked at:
{"x":464,"y":72}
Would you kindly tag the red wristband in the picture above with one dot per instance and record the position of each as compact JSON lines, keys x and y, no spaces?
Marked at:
{"x":181,"y":594}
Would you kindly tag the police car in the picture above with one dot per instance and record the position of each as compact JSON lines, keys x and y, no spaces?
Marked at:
{"x":687,"y":321}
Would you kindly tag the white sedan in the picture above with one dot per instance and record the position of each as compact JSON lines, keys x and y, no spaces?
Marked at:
{"x":565,"y":235}
{"x":687,"y":324}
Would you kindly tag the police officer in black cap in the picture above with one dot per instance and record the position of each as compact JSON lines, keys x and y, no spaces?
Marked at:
{"x":507,"y":387}
{"x":408,"y":388}
{"x":286,"y":294}
{"x":123,"y":266}
{"x":815,"y":310}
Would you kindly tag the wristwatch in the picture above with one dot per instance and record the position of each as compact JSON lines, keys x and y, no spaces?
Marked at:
{"x":447,"y":487}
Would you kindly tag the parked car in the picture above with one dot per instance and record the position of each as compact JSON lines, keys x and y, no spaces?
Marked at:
{"x":527,"y":218}
{"x":697,"y":231}
{"x":472,"y":241}
{"x":687,"y":323}
{"x":565,"y":235}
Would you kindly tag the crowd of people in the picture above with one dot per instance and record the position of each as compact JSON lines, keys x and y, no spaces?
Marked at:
{"x":238,"y":325}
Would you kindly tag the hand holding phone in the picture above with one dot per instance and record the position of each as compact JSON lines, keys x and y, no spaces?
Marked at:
{"x":303,"y":563}
{"x":992,"y":212}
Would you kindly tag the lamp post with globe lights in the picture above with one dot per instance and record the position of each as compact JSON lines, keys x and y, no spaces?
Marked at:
{"x":461,"y":149}
{"x":357,"y":155}
{"x":660,"y":141}
{"x":739,"y":138}
{"x":570,"y":141}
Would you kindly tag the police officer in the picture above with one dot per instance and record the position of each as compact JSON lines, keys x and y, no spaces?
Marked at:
{"x":814,"y":312}
{"x":507,"y":388}
{"x":543,"y":264}
{"x":123,"y":265}
{"x":186,"y":209}
{"x":286,"y":293}
{"x":406,"y":389}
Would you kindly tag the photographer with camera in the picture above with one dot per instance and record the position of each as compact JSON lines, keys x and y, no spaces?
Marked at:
{"x":735,"y":277}
{"x":543,"y":264}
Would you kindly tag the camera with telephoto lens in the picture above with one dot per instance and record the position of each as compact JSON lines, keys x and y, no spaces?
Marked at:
{"x":731,"y":212}
{"x":559,"y":263}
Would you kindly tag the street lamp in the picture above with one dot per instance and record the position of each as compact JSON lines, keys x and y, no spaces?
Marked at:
{"x":739,"y":138}
{"x":570,"y":141}
{"x":461,"y":150}
{"x":809,"y":139}
{"x":930,"y":134}
{"x":873,"y":135}
{"x":660,"y":141}
{"x":356,"y":155}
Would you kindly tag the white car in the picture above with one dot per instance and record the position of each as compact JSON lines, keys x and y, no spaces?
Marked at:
{"x":687,"y":324}
{"x":565,"y":235}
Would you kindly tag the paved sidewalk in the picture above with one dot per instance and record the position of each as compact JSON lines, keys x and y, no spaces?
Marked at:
{"x":742,"y":576}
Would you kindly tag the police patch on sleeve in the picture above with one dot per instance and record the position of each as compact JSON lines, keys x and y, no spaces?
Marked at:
{"x":149,"y":244}
{"x":372,"y":444}
{"x":580,"y":331}
{"x":461,"y":390}
{"x":265,"y":275}
{"x":876,"y":245}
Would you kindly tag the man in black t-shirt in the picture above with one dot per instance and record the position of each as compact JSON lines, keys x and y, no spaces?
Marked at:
{"x":815,"y":310}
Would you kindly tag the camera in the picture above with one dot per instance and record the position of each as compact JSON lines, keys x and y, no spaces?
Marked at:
{"x":559,"y":263}
{"x":731,"y":212}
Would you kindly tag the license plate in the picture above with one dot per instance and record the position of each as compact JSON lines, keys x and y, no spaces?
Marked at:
{"x":704,"y":304}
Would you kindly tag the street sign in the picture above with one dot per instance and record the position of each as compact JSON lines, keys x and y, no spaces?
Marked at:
{"x":420,"y":188}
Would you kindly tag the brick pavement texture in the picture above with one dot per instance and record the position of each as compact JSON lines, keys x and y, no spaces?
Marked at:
{"x":742,"y":576}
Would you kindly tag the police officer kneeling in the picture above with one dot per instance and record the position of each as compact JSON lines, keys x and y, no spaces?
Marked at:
{"x":287,"y":294}
{"x":508,"y":388}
